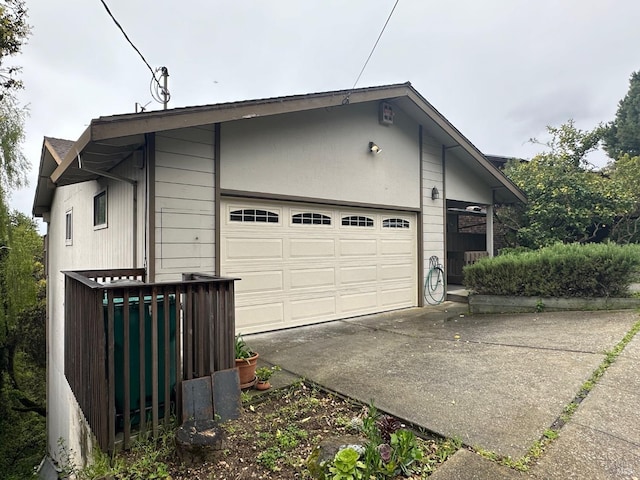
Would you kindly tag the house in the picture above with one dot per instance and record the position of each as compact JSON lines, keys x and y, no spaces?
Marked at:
{"x":325,"y":205}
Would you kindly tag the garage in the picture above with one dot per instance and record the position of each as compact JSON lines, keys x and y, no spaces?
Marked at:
{"x":301,"y":263}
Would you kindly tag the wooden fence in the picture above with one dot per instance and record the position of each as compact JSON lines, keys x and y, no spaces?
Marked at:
{"x":129,"y":344}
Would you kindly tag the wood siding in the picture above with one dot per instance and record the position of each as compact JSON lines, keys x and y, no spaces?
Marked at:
{"x":433,"y":210}
{"x":91,"y":248}
{"x":184,"y":202}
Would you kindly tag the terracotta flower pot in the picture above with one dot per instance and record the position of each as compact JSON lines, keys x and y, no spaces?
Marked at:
{"x":262,"y":385}
{"x":247,"y":370}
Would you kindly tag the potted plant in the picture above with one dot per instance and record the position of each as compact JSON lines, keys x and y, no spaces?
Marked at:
{"x":246,"y":360}
{"x":263,"y":374}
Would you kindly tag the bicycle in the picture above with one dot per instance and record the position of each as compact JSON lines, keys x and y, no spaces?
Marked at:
{"x":435,"y":282}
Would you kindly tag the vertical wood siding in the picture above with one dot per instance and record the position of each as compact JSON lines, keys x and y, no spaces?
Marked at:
{"x":432,"y":210}
{"x":110,"y":247}
{"x":185,"y":202}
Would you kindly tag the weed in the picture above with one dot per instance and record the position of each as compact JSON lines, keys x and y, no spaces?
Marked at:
{"x":269,"y":458}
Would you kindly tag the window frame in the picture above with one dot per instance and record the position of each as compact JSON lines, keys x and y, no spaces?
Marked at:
{"x":311,"y":218}
{"x":96,"y":198}
{"x":253,"y":216}
{"x":68,"y":227}
{"x":396,"y":222}
{"x":369,"y":222}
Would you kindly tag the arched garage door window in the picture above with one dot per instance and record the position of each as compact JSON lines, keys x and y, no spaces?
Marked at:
{"x":252,"y":215}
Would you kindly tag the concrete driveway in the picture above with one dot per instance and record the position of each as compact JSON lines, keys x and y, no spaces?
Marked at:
{"x":493,"y":381}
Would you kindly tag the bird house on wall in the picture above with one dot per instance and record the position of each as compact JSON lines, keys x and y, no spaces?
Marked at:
{"x":386,"y":114}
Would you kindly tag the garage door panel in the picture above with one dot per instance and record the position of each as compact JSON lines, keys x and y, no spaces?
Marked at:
{"x":312,"y":248}
{"x":396,"y":247}
{"x":252,"y":317}
{"x":359,"y":274}
{"x":253,"y":248}
{"x":253,"y":282}
{"x":312,"y":277}
{"x":305,"y":272}
{"x":395,"y":297}
{"x":358,"y":247}
{"x":312,"y":309}
{"x":397,"y":272}
{"x":357,"y":302}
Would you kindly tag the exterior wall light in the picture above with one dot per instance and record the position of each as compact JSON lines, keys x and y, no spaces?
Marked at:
{"x":435,"y":194}
{"x":373,"y":148}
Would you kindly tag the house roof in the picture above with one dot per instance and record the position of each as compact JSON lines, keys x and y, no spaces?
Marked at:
{"x":107,"y":141}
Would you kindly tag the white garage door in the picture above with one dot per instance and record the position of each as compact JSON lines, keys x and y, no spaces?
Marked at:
{"x":302,"y":264}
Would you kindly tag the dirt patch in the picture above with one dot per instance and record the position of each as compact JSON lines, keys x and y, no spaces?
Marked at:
{"x":277,"y":432}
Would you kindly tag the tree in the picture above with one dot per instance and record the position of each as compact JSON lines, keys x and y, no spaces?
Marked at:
{"x":625,"y":172}
{"x":14,"y":31}
{"x":22,"y":347}
{"x":13,"y":164}
{"x":567,"y":202}
{"x":22,"y":313}
{"x":623,"y":134}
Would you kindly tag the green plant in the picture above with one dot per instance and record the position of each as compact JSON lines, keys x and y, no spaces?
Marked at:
{"x":265,"y":373}
{"x":405,"y":450}
{"x":539,"y":306}
{"x":346,"y":465}
{"x":242,"y":350}
{"x":573,"y":270}
{"x":66,"y":463}
{"x":269,"y":458}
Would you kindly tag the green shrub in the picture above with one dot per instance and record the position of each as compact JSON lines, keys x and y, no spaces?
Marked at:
{"x":561,"y":270}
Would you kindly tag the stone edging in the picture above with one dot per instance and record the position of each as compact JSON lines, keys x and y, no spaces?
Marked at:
{"x":511,"y":304}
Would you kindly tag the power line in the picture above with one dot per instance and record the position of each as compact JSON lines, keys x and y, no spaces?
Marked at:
{"x":375,"y":45}
{"x":153,"y":73}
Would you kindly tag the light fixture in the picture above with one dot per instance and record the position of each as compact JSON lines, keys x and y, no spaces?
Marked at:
{"x":373,"y":148}
{"x":435,"y":194}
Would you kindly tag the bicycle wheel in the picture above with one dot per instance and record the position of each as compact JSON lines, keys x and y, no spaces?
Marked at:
{"x":434,"y":286}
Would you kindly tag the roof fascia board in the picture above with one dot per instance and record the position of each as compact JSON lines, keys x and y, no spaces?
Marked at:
{"x":52,"y":151}
{"x":46,"y":148}
{"x":103,"y":129}
{"x":80,"y":144}
{"x":455,"y":134}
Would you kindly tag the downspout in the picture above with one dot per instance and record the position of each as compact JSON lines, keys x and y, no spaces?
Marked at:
{"x":421,"y":270}
{"x":444,"y":214}
{"x":135,"y":225}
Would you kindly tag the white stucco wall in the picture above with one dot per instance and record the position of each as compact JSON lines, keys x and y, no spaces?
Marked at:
{"x":462,"y":184}
{"x":110,"y":247}
{"x":185,"y":202}
{"x":324,"y":154}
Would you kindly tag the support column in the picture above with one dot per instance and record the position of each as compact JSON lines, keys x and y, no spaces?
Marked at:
{"x":490,"y":230}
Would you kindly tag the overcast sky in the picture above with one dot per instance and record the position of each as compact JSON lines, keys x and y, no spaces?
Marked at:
{"x":499,"y":70}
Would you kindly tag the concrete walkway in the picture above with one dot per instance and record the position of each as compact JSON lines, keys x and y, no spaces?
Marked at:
{"x":496,"y":382}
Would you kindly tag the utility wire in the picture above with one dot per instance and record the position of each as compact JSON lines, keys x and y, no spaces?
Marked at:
{"x":375,"y":45}
{"x":153,"y":74}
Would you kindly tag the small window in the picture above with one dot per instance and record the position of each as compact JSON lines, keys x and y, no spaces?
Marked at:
{"x":395,"y":223}
{"x":251,"y":215}
{"x":68,"y":228}
{"x":356,"y":221}
{"x":311,"y":219}
{"x":100,"y":209}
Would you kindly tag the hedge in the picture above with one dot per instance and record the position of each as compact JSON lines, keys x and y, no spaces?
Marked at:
{"x":561,"y":270}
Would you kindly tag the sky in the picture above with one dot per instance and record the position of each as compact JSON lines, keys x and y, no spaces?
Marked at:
{"x":499,"y":70}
